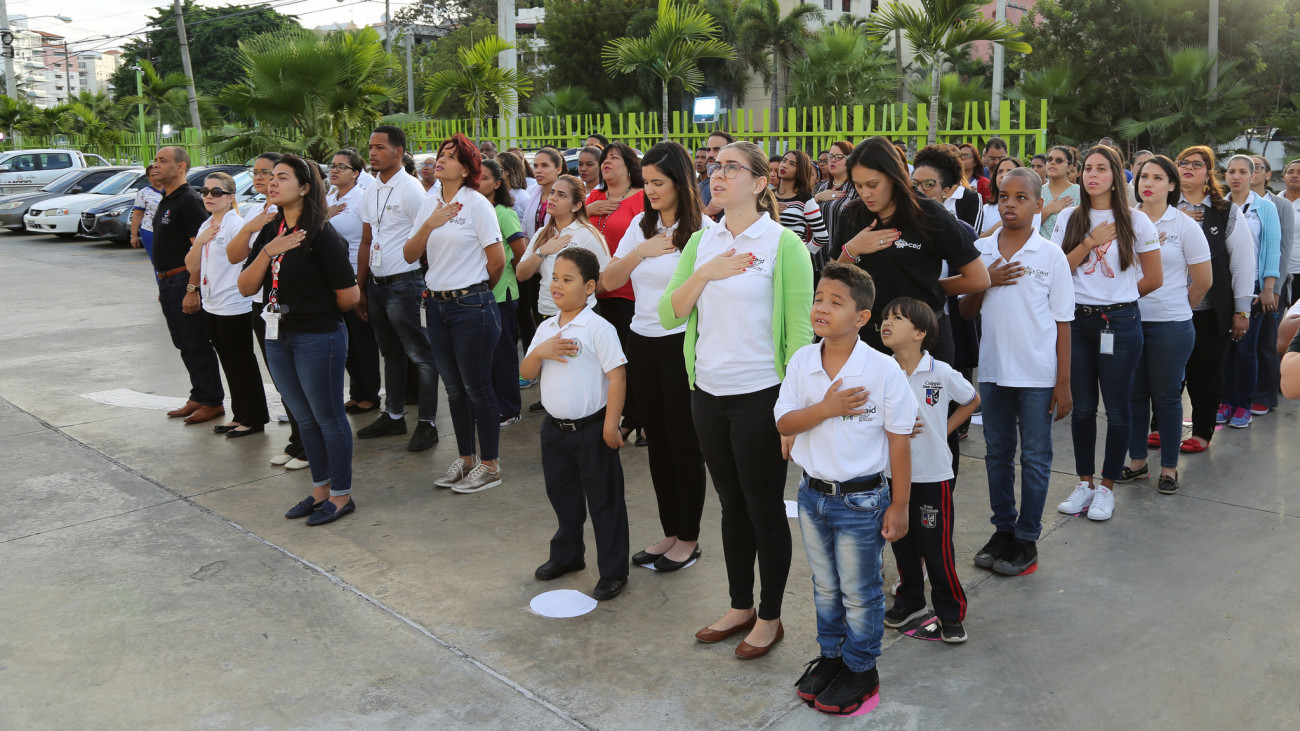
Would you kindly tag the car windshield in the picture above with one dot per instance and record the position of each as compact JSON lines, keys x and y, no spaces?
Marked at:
{"x":117,"y":183}
{"x":64,"y":183}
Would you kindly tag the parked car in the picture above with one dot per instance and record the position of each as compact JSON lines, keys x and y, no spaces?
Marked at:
{"x":111,"y":219}
{"x":62,"y":216}
{"x":25,"y":171}
{"x":14,"y":207}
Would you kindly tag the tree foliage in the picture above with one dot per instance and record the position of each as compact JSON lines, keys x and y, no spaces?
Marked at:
{"x":480,"y":83}
{"x":775,"y":41}
{"x":842,"y":67}
{"x":1178,"y":109}
{"x":574,"y":33}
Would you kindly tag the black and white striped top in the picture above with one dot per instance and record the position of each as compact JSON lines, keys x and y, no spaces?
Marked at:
{"x":804,"y":217}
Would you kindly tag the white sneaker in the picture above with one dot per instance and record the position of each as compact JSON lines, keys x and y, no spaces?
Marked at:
{"x":281,"y":459}
{"x":455,"y":473}
{"x":479,"y":479}
{"x":296,"y":464}
{"x":1103,"y":504}
{"x":1079,"y":500}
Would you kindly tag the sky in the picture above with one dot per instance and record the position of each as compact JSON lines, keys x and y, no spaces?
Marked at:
{"x":93,"y":20}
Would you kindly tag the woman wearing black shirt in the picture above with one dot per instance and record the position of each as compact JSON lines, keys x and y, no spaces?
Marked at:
{"x":300,"y":264}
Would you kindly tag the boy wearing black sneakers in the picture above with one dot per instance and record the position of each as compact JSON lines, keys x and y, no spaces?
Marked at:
{"x":1024,"y":368}
{"x":845,"y":413}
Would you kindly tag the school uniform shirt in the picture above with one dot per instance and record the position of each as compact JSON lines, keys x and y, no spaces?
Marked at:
{"x":614,"y":226}
{"x":308,"y":279}
{"x":146,"y":199}
{"x":934,"y":385}
{"x":1018,"y":343}
{"x":348,"y":223}
{"x":1294,"y":265}
{"x":175,"y":223}
{"x":964,"y":203}
{"x":519,"y":197}
{"x":989,"y":215}
{"x":1049,"y":222}
{"x":847,"y":447}
{"x":1184,"y":245}
{"x":218,"y":278}
{"x":1099,"y":279}
{"x":650,"y":278}
{"x":579,"y":387}
{"x":581,"y":236}
{"x":365,"y":180}
{"x":507,"y":289}
{"x":391,"y":209}
{"x":455,"y":249}
{"x":534,"y":217}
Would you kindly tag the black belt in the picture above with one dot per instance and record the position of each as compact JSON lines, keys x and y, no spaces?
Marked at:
{"x":451,"y":294}
{"x":857,"y":484}
{"x":384,"y":281}
{"x":1101,"y":309}
{"x":576,"y":424}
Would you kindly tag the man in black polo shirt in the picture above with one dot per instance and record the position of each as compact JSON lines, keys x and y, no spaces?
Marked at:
{"x":180,"y":213}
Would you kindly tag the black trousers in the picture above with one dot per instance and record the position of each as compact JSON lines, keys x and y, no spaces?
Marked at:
{"x":363,"y":359}
{"x":191,"y":339}
{"x":232,"y":338}
{"x":1205,"y":372}
{"x":929,"y":542}
{"x":583,"y":474}
{"x":618,"y":312}
{"x":527,"y":316}
{"x":743,"y":452}
{"x":294,"y":448}
{"x":657,"y":375}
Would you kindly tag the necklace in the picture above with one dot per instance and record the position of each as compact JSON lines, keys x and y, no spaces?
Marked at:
{"x":605,"y":219}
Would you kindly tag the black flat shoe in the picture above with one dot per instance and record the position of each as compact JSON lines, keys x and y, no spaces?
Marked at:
{"x":359,"y":409}
{"x":303,"y":509}
{"x":551,"y":570}
{"x":645,"y":558}
{"x":328,"y":513}
{"x":237,"y":433}
{"x":667,"y":564}
{"x":607,"y":589}
{"x":640,"y":439}
{"x":223,"y":428}
{"x":537,"y":407}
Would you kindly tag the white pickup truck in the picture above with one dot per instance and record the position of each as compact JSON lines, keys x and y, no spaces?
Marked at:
{"x":23,"y":171}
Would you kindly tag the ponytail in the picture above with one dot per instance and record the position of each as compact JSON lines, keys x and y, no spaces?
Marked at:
{"x":767,"y":204}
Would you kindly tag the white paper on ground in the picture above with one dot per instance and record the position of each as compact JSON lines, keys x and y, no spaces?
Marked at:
{"x":137,"y":400}
{"x":791,"y":509}
{"x":977,"y":420}
{"x":562,"y":603}
{"x":651,"y":566}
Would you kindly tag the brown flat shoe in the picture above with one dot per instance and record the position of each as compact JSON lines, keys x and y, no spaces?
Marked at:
{"x":205,"y":413}
{"x":189,"y":408}
{"x":709,"y":636}
{"x":746,"y":651}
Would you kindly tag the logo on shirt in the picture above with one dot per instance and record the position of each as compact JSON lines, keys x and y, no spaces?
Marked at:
{"x":905,"y":244}
{"x":166,"y":218}
{"x":929,"y":516}
{"x":577,"y":344}
{"x":868,"y":414}
{"x":758,"y":263}
{"x":1214,"y":230}
{"x":932,"y":392}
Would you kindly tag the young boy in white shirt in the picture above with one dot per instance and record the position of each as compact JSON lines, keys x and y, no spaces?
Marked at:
{"x":910,"y":329}
{"x":582,"y":369}
{"x":845,"y":412}
{"x":1024,"y":368}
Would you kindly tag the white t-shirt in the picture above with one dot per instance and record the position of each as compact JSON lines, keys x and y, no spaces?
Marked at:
{"x":528,"y":219}
{"x":455,"y":249}
{"x":255,"y":210}
{"x":582,"y":236}
{"x":348,"y":223}
{"x":1184,"y":245}
{"x":218,"y":278}
{"x":1294,"y":264}
{"x":1099,"y":279}
{"x":734,"y":352}
{"x":391,"y":209}
{"x":1018,"y":341}
{"x":847,"y":447}
{"x":579,"y":387}
{"x":650,"y":278}
{"x":365,"y":180}
{"x":934,"y":385}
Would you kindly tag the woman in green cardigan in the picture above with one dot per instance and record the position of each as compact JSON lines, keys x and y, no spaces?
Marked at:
{"x":744,"y":290}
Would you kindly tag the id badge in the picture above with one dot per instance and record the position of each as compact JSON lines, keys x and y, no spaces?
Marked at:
{"x":272,"y":324}
{"x":376,"y":257}
{"x":1107,"y":342}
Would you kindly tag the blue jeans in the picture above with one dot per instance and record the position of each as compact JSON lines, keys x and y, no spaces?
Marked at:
{"x":1158,"y":384}
{"x":464,"y":333}
{"x":1114,"y":374}
{"x":1009,"y":411}
{"x":1269,"y":377}
{"x":395,"y":314}
{"x":505,"y":362}
{"x":146,"y":240}
{"x":1241,"y":366}
{"x":308,"y":370}
{"x":841,"y":536}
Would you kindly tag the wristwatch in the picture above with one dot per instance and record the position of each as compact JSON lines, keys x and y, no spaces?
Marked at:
{"x":1242,"y":314}
{"x":192,"y":288}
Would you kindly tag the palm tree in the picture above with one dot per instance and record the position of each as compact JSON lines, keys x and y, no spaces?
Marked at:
{"x":938,"y":31}
{"x":480,"y":83}
{"x":1071,"y":91}
{"x":12,"y":112}
{"x":730,"y":77}
{"x":1178,"y":107}
{"x":99,"y":134}
{"x":562,"y":101}
{"x":44,"y":123}
{"x":842,"y":67}
{"x":680,"y":37}
{"x":954,"y":91}
{"x":780,"y":39}
{"x":154,"y":92}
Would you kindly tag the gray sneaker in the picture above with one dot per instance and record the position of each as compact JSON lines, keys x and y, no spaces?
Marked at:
{"x":455,"y":473}
{"x":479,"y":479}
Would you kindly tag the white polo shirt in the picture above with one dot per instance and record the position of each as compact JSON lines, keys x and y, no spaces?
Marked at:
{"x":579,"y":387}
{"x":1184,"y":245}
{"x":934,"y":385}
{"x":650,"y":278}
{"x":734,"y":353}
{"x":455,"y":249}
{"x":1018,"y":340}
{"x":1099,"y":279}
{"x":582,"y":236}
{"x":218,"y":278}
{"x":847,"y":447}
{"x":1294,"y":264}
{"x":390,"y":209}
{"x":348,"y":222}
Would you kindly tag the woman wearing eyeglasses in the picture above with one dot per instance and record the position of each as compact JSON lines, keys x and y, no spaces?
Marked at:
{"x":343,"y":203}
{"x":937,"y":175}
{"x":972,"y":168}
{"x":834,"y":195}
{"x":227,"y":314}
{"x":1060,"y":192}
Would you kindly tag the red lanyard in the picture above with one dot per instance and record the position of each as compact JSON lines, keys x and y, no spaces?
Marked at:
{"x":272,"y":299}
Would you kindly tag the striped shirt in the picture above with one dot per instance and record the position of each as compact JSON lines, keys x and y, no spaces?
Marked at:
{"x":804,"y":217}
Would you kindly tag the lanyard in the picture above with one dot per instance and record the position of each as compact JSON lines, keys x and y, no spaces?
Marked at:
{"x":272,"y":298}
{"x":540,"y":218}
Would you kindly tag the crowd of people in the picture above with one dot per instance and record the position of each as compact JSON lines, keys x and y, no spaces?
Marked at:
{"x":734,"y":311}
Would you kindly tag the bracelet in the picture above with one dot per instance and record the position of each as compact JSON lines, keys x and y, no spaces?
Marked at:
{"x":269,"y":255}
{"x":637,"y":250}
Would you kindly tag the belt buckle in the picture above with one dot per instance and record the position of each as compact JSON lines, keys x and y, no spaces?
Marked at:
{"x":834,"y":486}
{"x":568,"y":426}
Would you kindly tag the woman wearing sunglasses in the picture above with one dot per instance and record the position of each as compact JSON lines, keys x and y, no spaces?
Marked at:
{"x":1061,"y":191}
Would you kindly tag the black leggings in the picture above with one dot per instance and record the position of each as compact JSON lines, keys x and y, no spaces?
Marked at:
{"x":743,"y":451}
{"x":1205,"y":372}
{"x":232,"y":338}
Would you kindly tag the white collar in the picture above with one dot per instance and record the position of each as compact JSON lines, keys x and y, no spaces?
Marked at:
{"x":854,"y":366}
{"x":1034,"y":241}
{"x":755,"y":230}
{"x":582,"y":319}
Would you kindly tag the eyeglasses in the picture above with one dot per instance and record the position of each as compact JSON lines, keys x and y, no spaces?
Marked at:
{"x":214,"y":192}
{"x":730,"y":170}
{"x":1191,"y":164}
{"x":341,"y":167}
{"x":837,"y":157}
{"x":967,"y":155}
{"x":261,"y":173}
{"x":925,"y":185}
{"x":1261,"y":169}
{"x":1057,"y":160}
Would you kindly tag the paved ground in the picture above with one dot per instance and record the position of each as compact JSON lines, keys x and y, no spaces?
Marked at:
{"x":149,"y":580}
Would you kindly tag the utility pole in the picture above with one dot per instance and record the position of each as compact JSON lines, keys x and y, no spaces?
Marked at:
{"x":388,"y":29}
{"x":508,"y":60}
{"x":410,"y":73}
{"x":1213,"y":46}
{"x":185,"y":64}
{"x":999,"y":60}
{"x":11,"y":84}
{"x":139,"y":110}
{"x":67,"y":70}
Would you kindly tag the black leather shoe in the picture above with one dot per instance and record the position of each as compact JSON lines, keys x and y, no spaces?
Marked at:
{"x":645,"y":558}
{"x":551,"y":570}
{"x":640,"y":439}
{"x":223,"y":428}
{"x":237,"y":433}
{"x":607,"y":589}
{"x":667,"y":564}
{"x":303,"y":509}
{"x":382,"y":427}
{"x":425,"y":436}
{"x":327,"y":513}
{"x":359,"y":409}
{"x":537,"y":407}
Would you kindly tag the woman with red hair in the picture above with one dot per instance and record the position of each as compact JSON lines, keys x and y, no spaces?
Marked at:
{"x":457,"y":228}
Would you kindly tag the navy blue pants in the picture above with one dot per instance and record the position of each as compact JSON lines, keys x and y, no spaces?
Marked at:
{"x":582,"y":473}
{"x":929,"y":542}
{"x":191,"y":339}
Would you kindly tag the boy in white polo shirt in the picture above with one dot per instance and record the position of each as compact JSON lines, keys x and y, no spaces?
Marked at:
{"x":845,"y":412}
{"x":578,"y":357}
{"x":1024,"y":368}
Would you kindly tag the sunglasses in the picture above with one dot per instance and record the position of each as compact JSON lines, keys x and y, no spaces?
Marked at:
{"x":214,"y":192}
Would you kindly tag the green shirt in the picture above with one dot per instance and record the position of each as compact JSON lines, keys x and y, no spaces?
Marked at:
{"x":508,"y":284}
